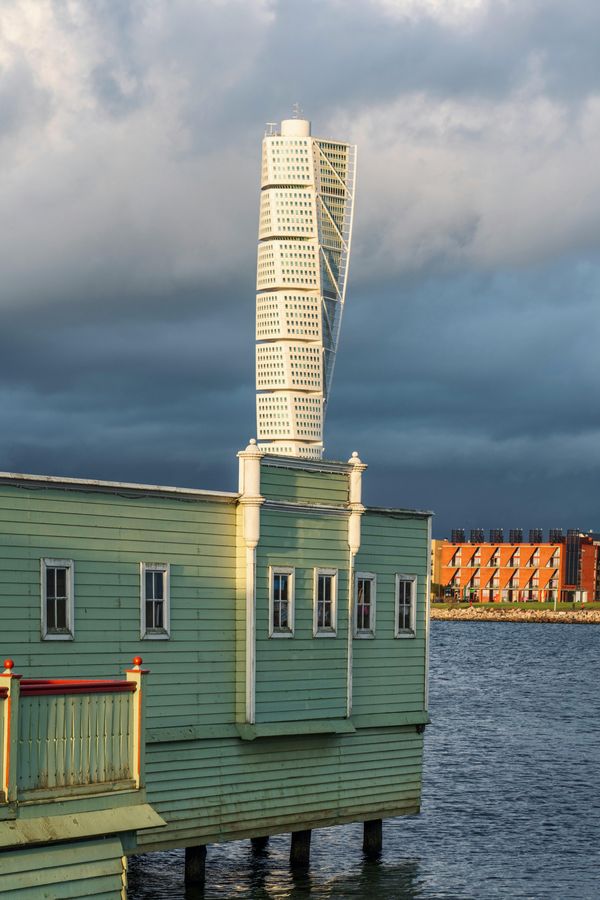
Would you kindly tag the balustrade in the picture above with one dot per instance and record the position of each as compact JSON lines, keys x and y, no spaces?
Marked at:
{"x":69,"y":737}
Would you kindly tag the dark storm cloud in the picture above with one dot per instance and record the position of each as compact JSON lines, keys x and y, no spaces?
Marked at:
{"x":130,"y":145}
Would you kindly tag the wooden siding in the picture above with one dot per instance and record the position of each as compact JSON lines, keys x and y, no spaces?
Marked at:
{"x":69,"y":871}
{"x":296,"y":485}
{"x":210,"y":791}
{"x":302,"y":677}
{"x":107,"y":536}
{"x":389,"y":672}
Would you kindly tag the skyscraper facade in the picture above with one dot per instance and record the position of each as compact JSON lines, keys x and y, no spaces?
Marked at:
{"x":306,"y":206}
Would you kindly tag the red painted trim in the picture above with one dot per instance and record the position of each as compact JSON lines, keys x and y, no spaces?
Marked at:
{"x":3,"y":693}
{"x":35,"y":687}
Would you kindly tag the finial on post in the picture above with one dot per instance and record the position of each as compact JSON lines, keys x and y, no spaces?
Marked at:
{"x":8,"y":666}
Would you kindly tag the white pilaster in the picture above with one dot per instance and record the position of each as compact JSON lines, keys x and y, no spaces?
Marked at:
{"x":251,"y":501}
{"x":354,"y":536}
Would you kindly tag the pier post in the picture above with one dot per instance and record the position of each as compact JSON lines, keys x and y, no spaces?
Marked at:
{"x":300,"y":849}
{"x":259,"y":843}
{"x":195,"y":864}
{"x":373,"y":838}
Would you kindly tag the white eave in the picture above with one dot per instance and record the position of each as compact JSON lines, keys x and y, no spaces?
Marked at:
{"x":114,"y":487}
{"x":311,"y":465}
{"x":399,"y":512}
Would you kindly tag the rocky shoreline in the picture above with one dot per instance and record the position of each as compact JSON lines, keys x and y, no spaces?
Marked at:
{"x":479,"y":614}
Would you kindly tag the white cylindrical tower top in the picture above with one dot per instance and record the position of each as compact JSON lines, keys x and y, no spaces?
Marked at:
{"x":295,"y":128}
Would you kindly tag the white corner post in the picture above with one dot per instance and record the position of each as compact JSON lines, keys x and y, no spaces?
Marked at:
{"x":427,"y":616}
{"x":356,"y":511}
{"x":9,"y":709}
{"x":251,"y":502}
{"x":138,"y":750}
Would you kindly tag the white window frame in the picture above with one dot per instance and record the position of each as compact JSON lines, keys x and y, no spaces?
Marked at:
{"x":69,"y":633}
{"x":332,"y":631}
{"x":365,"y":632}
{"x":291,"y":573}
{"x":165,"y":633}
{"x":411,"y":632}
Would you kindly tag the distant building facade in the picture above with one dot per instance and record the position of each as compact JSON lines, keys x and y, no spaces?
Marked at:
{"x":563,"y":568}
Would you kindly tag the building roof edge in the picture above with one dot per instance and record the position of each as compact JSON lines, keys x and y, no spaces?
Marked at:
{"x":115,"y":487}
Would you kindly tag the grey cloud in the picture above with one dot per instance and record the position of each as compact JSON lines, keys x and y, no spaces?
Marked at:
{"x":118,"y":93}
{"x":23,"y":102}
{"x":467,"y":371}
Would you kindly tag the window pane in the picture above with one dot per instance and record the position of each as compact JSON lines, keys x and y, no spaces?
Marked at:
{"x":320,"y":614}
{"x":405,"y":592}
{"x":366,"y":617}
{"x":61,"y":582}
{"x":283,"y":587}
{"x":149,"y":614}
{"x":50,"y":614}
{"x":57,"y":598}
{"x":149,"y":586}
{"x":158,"y":614}
{"x":363,"y":602}
{"x":61,"y":613}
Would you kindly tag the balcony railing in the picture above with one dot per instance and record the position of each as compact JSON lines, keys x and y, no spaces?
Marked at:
{"x":69,"y":737}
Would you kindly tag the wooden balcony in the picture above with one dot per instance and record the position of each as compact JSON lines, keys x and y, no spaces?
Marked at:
{"x":65,"y":738}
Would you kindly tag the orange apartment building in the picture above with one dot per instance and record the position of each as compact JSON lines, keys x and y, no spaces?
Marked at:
{"x":562,"y":568}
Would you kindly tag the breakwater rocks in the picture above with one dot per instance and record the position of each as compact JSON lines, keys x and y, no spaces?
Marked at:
{"x":485,"y":614}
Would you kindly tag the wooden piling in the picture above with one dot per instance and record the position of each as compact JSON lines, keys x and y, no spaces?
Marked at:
{"x":195,"y":864}
{"x":300,"y":849}
{"x":373,"y":838}
{"x":259,"y":843}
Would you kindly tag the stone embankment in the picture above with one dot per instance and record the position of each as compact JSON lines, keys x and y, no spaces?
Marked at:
{"x":481,"y":614}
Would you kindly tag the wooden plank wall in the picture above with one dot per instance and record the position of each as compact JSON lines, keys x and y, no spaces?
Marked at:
{"x":280,"y":483}
{"x":301,"y":677}
{"x":216,"y":790}
{"x":66,"y":871}
{"x":389,"y":672}
{"x":107,"y":536}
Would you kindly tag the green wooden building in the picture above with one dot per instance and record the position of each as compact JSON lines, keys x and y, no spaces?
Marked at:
{"x":285,"y":628}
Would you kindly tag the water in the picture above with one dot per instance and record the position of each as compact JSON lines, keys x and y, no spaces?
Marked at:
{"x":511,"y":796}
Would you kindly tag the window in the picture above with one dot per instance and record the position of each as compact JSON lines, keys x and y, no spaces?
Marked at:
{"x":154,"y":590}
{"x":364,"y":609}
{"x":281,"y":602}
{"x":325,"y":603}
{"x":406,"y":599}
{"x":57,"y":584}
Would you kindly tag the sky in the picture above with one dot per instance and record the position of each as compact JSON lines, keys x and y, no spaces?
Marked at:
{"x":468,"y":369}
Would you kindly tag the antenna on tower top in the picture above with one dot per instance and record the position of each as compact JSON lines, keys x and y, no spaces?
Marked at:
{"x":297,"y":111}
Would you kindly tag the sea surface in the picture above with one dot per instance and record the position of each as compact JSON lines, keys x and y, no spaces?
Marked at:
{"x":511,"y":790}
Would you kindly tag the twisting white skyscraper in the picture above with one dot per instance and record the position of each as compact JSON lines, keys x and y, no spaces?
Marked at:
{"x":306,"y":206}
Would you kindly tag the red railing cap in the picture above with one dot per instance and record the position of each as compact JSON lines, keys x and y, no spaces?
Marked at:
{"x":38,"y":686}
